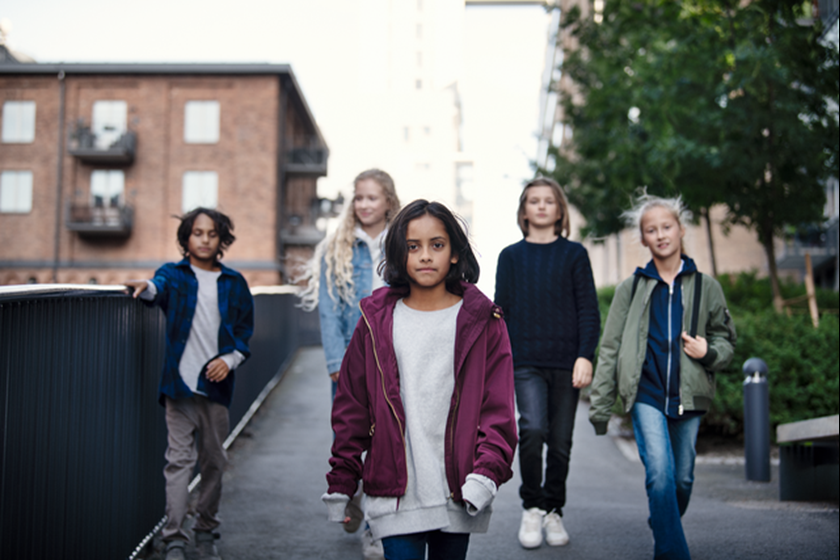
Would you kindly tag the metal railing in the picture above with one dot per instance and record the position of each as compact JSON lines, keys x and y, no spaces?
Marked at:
{"x":100,"y":221}
{"x":83,"y":436}
{"x":83,"y":145}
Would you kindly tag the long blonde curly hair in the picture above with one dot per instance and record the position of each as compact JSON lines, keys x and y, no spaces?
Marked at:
{"x":336,"y":250}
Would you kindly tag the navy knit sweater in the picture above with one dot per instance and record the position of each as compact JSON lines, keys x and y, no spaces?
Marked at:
{"x":548,"y":297}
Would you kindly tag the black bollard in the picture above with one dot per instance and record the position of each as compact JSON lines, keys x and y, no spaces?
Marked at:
{"x":756,"y":420}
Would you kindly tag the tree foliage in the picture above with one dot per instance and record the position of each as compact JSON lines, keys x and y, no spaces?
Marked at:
{"x":717,"y":100}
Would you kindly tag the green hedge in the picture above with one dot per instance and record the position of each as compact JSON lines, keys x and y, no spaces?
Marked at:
{"x":804,"y":362}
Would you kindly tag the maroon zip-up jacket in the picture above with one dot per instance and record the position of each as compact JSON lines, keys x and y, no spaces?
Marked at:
{"x":368,"y":414}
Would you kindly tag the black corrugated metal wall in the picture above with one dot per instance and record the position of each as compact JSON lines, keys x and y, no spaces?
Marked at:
{"x":83,"y":436}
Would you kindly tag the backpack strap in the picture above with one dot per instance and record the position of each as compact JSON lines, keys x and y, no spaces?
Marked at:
{"x":695,"y":313}
{"x":636,"y":279}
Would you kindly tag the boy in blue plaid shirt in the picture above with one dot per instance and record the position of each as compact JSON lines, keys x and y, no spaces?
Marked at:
{"x":209,"y":320}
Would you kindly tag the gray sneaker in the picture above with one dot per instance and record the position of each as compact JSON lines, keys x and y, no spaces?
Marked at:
{"x":205,"y":545}
{"x":175,"y":550}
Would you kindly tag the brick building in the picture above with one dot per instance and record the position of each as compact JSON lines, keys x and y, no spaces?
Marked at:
{"x":95,"y":159}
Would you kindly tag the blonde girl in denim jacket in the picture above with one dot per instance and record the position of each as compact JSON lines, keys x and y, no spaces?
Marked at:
{"x":345,"y":269}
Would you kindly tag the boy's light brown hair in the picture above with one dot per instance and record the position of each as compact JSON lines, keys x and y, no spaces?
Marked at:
{"x":561,"y":226}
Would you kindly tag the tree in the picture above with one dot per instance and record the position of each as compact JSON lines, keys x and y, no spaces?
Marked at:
{"x":719,"y":102}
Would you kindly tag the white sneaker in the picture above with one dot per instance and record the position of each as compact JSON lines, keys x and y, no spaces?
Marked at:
{"x":371,"y":549}
{"x":555,"y":533}
{"x":530,"y":530}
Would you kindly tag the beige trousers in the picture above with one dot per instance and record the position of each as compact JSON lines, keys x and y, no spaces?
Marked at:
{"x":197,"y":429}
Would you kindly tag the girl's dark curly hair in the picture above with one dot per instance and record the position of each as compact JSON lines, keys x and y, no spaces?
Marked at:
{"x":224,"y":229}
{"x":396,"y":247}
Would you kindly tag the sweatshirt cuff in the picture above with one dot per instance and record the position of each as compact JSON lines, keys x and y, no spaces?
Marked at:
{"x":478,"y":492}
{"x":150,"y":292}
{"x":233,"y":360}
{"x":336,"y":503}
{"x":709,"y":358}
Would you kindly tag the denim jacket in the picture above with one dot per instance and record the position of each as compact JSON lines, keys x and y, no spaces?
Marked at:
{"x":177,"y":296}
{"x":339,"y":318}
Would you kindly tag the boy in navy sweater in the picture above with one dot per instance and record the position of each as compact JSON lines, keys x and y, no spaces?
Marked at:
{"x":545,"y":287}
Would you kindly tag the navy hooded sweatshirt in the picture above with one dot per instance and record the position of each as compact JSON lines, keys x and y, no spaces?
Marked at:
{"x":659,"y":385}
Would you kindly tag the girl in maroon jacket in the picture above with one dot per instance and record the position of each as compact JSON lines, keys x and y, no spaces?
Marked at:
{"x":426,"y":389}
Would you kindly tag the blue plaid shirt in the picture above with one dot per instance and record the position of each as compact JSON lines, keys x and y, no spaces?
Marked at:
{"x":177,"y":296}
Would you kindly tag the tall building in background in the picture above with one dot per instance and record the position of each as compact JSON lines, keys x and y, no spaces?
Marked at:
{"x":96,"y":159}
{"x":403,"y":114}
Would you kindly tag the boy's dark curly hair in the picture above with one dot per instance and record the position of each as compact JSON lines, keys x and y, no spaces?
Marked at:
{"x":224,"y":228}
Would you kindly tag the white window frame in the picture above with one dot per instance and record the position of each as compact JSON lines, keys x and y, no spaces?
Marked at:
{"x":108,"y":121}
{"x":108,"y":185}
{"x":199,"y":188}
{"x":18,"y":122}
{"x":201,"y":122}
{"x":16,"y":192}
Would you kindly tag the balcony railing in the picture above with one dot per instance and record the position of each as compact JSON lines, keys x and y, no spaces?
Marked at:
{"x":82,"y":435}
{"x":89,"y":220}
{"x":85,"y":147}
{"x":307,"y":161}
{"x":819,"y":241}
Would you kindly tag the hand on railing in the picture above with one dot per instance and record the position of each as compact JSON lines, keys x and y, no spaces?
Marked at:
{"x":137,"y":286}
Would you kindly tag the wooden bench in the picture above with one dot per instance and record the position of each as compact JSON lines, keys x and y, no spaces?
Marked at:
{"x":809,"y":459}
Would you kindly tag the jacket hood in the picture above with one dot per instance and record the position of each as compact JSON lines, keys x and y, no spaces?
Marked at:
{"x":476,"y":310}
{"x":649,"y":271}
{"x":384,"y":299}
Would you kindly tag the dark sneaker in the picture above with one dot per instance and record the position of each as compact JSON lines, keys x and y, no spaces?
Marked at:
{"x":175,"y":550}
{"x":205,"y":545}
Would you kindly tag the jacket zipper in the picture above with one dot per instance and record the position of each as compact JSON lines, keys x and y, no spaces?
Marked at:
{"x":384,"y":392}
{"x":670,"y":348}
{"x":452,"y":428}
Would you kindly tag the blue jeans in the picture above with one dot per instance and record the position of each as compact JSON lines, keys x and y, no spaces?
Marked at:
{"x":442,"y":546}
{"x":666,"y":446}
{"x":547,"y":403}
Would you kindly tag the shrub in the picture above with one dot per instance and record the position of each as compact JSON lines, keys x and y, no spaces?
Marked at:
{"x":803,"y":370}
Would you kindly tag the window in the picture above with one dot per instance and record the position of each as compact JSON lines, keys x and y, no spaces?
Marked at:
{"x":107,"y":188}
{"x":109,"y":122}
{"x":19,"y":122}
{"x":201,"y":122}
{"x":16,"y":192}
{"x":200,"y":188}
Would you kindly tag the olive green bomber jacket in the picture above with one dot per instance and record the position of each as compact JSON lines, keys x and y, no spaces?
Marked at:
{"x":624,"y":346}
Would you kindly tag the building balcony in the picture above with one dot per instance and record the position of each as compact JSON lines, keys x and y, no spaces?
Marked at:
{"x":307,"y":161}
{"x":88,"y":148}
{"x":819,"y":241}
{"x":89,"y":220}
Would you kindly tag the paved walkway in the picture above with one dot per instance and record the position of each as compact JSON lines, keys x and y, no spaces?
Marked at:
{"x":271,"y":507}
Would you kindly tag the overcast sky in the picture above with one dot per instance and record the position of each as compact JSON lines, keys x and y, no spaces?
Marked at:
{"x":503,"y":57}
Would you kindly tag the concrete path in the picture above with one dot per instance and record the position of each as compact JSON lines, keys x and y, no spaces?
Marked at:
{"x":271,"y":507}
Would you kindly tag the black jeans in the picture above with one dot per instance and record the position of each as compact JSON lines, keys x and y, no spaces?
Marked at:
{"x":547,"y":402}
